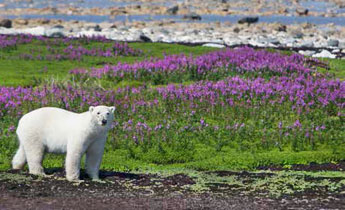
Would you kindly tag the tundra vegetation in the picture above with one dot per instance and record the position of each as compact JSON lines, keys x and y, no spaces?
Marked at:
{"x":180,"y":107}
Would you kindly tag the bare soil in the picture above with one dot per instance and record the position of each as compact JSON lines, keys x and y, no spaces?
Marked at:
{"x":19,"y":190}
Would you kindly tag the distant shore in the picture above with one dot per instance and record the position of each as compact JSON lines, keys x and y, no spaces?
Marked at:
{"x":329,"y":8}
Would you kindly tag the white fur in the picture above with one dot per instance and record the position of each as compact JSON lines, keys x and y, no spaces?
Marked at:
{"x":59,"y":131}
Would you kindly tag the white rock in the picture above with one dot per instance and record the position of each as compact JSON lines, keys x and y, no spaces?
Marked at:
{"x":88,"y":33}
{"x":55,"y":32}
{"x":213,"y":45}
{"x":324,"y":54}
{"x":37,"y":31}
{"x":307,"y":52}
{"x":256,"y":43}
{"x":4,"y":30}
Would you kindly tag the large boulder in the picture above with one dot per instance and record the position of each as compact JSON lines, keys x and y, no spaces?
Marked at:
{"x":144,"y":38}
{"x":6,"y":23}
{"x":37,"y":31}
{"x":56,"y":31}
{"x":333,"y":43}
{"x":324,"y":54}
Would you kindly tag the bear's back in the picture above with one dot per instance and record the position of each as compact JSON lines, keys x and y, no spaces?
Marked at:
{"x":48,"y":119}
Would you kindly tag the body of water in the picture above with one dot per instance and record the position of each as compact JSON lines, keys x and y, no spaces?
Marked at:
{"x":179,"y":18}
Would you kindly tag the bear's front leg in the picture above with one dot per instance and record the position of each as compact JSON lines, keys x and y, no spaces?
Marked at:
{"x":93,"y":160}
{"x":73,"y":157}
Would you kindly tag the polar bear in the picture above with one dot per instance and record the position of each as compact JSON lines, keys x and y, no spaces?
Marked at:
{"x":56,"y":130}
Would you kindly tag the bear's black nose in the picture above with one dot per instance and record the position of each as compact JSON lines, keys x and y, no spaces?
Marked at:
{"x":104,"y":122}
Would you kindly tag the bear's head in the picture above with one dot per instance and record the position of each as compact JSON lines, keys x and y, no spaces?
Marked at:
{"x":102,"y":115}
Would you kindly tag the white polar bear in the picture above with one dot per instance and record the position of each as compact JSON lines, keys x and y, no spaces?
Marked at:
{"x":59,"y":131}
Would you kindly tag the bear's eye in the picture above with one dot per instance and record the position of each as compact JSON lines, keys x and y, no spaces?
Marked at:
{"x":107,"y":113}
{"x":98,"y":113}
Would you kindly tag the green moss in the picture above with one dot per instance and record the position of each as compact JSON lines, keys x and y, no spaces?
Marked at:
{"x":17,"y":178}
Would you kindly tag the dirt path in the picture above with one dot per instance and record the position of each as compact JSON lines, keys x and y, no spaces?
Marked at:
{"x":19,"y":190}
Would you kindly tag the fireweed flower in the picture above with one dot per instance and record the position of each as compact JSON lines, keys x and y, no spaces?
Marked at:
{"x":297,"y":124}
{"x":239,"y":60}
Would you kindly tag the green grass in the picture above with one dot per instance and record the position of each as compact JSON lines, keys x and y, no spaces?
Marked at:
{"x":336,"y":67}
{"x":15,"y":71}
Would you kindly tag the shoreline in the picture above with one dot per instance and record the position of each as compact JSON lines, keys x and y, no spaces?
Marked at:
{"x":307,"y":39}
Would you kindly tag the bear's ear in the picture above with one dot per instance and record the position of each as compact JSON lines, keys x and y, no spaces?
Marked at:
{"x":91,"y":108}
{"x":112,"y":109}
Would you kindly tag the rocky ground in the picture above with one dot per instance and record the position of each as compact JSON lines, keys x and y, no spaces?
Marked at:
{"x":178,"y":191}
{"x":308,"y":39}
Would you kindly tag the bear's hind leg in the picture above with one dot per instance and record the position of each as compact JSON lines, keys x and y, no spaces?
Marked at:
{"x":19,"y":158}
{"x":34,"y":155}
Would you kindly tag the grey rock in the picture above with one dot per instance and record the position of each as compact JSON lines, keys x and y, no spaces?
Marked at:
{"x":173,"y":10}
{"x":164,"y":31}
{"x":333,"y":43}
{"x":144,"y":38}
{"x":94,"y":28}
{"x":237,"y":30}
{"x":266,"y":41}
{"x":307,"y":52}
{"x":280,"y":27}
{"x":97,"y":28}
{"x":248,"y":20}
{"x":298,"y":35}
{"x":6,"y":23}
{"x":192,"y":16}
{"x":307,"y":44}
{"x":273,"y":41}
{"x":56,"y":31}
{"x":341,"y":45}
